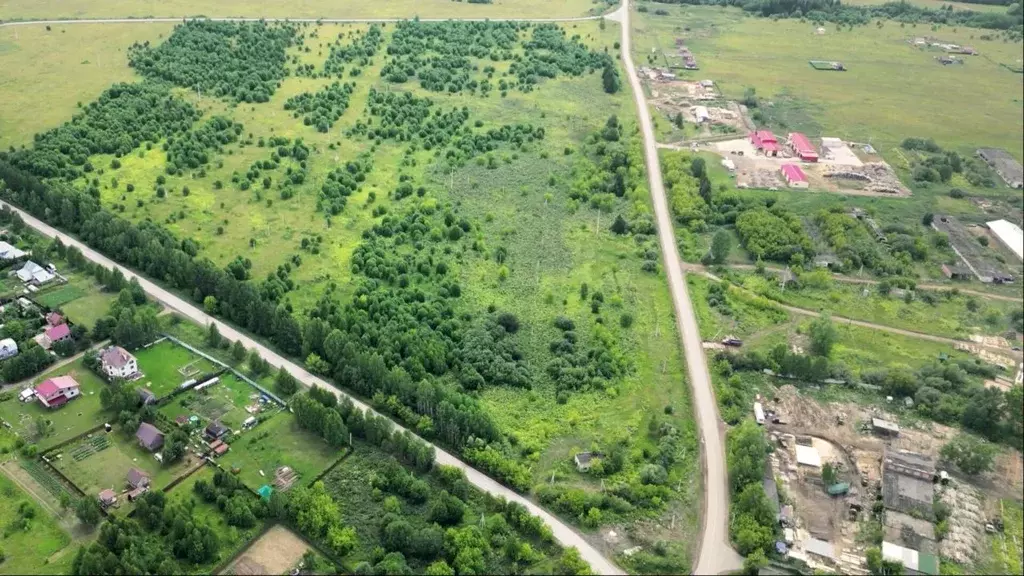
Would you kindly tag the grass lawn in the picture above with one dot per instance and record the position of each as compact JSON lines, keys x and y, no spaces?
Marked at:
{"x":162,"y":365}
{"x":225,"y":402}
{"x":747,"y":315}
{"x":278,"y":442}
{"x":27,"y":9}
{"x":50,"y":72}
{"x":73,"y":418}
{"x":891,"y":90}
{"x":39,"y":550}
{"x":231,"y":538}
{"x":99,"y":468}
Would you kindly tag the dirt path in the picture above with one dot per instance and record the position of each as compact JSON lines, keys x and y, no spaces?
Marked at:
{"x":60,"y":364}
{"x":844,"y":320}
{"x":715,"y":554}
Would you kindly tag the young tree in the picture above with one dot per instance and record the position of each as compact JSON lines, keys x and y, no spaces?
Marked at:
{"x":213,"y":337}
{"x":238,"y":351}
{"x":970,"y":454}
{"x":285,"y":383}
{"x":754,"y":562}
{"x":721,"y":244}
{"x":823,"y":336}
{"x":620,"y":226}
{"x":610,"y":79}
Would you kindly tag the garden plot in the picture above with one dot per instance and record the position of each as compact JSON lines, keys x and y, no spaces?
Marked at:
{"x":102,"y":460}
{"x":258,"y":454}
{"x":226,"y":402}
{"x":274,"y":553}
{"x":166,"y":366}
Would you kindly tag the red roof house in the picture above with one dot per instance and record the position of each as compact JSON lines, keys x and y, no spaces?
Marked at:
{"x":802,"y":147}
{"x":54,"y":319}
{"x":794,"y":176}
{"x":765,"y":142}
{"x":54,"y":334}
{"x":57,"y":391}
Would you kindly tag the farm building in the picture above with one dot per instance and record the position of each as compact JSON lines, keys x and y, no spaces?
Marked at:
{"x":914,"y":562}
{"x":765,"y":142}
{"x":149,"y":437}
{"x":118,"y":362}
{"x":794,"y":176}
{"x":8,"y":252}
{"x":829,"y":142}
{"x":956,"y":272}
{"x":584,"y":460}
{"x":8,"y":348}
{"x":980,"y":259}
{"x":700,"y":114}
{"x":1008,"y":168}
{"x":56,"y":392}
{"x":907,"y":482}
{"x":1010,"y":235}
{"x":802,"y":147}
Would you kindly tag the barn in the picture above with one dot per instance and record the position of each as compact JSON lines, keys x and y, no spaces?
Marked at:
{"x":802,"y":147}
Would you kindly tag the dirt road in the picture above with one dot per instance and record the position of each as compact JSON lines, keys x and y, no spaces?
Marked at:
{"x":563,"y":533}
{"x":715,"y":554}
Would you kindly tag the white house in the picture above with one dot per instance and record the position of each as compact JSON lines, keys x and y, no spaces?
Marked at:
{"x":118,"y":363}
{"x":8,"y":252}
{"x":32,"y":272}
{"x":8,"y":348}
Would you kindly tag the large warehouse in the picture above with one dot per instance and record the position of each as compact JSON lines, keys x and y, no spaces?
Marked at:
{"x":1010,"y":235}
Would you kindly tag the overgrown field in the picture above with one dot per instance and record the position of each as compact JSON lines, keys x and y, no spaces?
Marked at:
{"x":26,"y":9}
{"x":451,"y":220}
{"x":33,"y":543}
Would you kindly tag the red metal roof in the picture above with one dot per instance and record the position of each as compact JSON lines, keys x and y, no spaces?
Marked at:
{"x":801,"y":143}
{"x":765,"y":136}
{"x":57,"y":332}
{"x":770,"y":146}
{"x":793,"y":173}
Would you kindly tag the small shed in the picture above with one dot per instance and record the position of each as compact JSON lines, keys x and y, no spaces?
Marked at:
{"x":107,"y":498}
{"x":216,"y":430}
{"x":265,"y":492}
{"x":149,"y":437}
{"x":147,"y":396}
{"x":884,"y":427}
{"x":808,"y":456}
{"x":584,"y":460}
{"x":137,"y":478}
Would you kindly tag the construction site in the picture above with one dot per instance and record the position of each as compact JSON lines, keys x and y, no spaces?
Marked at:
{"x":840,"y":470}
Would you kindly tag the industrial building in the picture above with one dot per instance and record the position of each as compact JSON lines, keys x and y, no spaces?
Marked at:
{"x":802,"y":147}
{"x":1010,"y":235}
{"x":907,"y":482}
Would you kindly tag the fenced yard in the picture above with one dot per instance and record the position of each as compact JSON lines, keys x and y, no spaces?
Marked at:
{"x":225,"y":401}
{"x":275,"y":443}
{"x":167,"y":365}
{"x":75,"y":417}
{"x":102,"y":461}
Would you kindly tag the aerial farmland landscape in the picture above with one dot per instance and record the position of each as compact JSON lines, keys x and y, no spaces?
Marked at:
{"x":511,"y":287}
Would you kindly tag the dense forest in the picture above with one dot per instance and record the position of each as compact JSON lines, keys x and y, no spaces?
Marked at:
{"x":847,"y":14}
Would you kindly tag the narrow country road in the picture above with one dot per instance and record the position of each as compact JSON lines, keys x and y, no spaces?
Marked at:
{"x":563,"y":533}
{"x":715,"y":554}
{"x":880,"y":327}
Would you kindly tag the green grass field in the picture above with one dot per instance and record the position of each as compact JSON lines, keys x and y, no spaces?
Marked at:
{"x":75,"y":417}
{"x":59,"y":296}
{"x":87,"y":309}
{"x":162,"y":365}
{"x":937,"y":4}
{"x":891,"y":91}
{"x":50,"y":72}
{"x":27,"y":9}
{"x":274,"y":443}
{"x":42,"y":548}
{"x":94,"y":470}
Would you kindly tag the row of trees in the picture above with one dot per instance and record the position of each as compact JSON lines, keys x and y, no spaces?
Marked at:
{"x":752,"y":526}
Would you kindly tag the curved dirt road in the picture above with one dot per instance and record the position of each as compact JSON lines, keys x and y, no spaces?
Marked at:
{"x":716,"y":554}
{"x":563,"y":533}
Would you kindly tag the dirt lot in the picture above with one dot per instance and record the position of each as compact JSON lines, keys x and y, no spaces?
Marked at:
{"x":275,"y":552}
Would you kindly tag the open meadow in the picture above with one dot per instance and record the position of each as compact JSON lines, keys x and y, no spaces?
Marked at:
{"x":54,"y":9}
{"x":891,"y":91}
{"x":51,"y":72}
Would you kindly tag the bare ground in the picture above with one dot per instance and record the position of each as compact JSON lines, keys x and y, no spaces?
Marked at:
{"x":274,"y":553}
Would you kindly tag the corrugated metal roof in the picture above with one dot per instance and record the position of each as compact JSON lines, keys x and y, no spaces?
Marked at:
{"x":793,"y":173}
{"x":820,"y":548}
{"x":808,"y":456}
{"x":1009,"y":234}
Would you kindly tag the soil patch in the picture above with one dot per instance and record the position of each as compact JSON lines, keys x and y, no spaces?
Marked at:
{"x":274,"y":553}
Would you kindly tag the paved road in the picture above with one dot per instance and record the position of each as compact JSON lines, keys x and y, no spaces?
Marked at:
{"x":715,"y":554}
{"x":863,"y":324}
{"x":565,"y":535}
{"x":313,"y":20}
